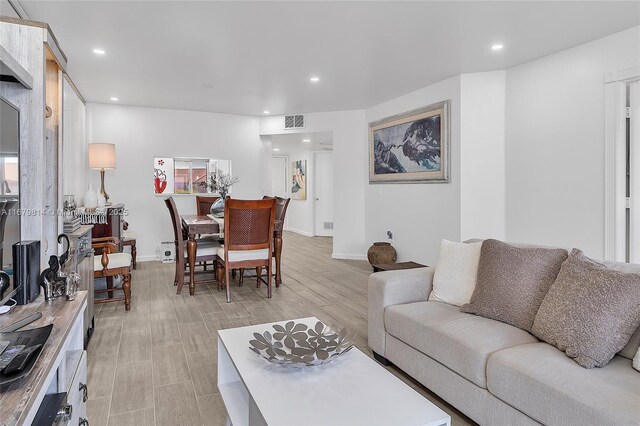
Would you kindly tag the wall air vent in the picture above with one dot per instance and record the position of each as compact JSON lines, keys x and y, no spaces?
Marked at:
{"x":294,"y":121}
{"x":328,"y":225}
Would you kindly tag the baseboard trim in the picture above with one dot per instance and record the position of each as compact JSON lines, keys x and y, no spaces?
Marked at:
{"x":297,"y":231}
{"x":348,"y":256}
{"x":147,"y":258}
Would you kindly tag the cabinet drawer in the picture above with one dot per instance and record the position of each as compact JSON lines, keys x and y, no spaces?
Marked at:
{"x":78,"y":392}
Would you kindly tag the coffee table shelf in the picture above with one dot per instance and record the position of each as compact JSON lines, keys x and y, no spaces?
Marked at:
{"x":352,"y":390}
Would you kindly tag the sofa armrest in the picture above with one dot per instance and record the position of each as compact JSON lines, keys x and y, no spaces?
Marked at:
{"x":394,"y":288}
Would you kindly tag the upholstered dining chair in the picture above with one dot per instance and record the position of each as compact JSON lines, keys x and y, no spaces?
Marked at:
{"x":206,"y":248}
{"x":248,"y":240}
{"x":203,"y":204}
{"x":108,"y":263}
{"x":281,"y":211}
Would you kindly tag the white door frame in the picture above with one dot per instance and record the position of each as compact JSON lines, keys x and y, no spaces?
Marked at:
{"x":615,"y":162}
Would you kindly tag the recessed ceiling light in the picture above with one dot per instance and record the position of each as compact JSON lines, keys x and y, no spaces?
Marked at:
{"x":114,"y":99}
{"x":99,"y":51}
{"x":314,"y":79}
{"x":306,"y":140}
{"x":265,"y":112}
{"x":497,"y":47}
{"x":276,"y":149}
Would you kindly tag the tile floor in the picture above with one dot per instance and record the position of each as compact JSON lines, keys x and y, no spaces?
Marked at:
{"x":156,"y":364}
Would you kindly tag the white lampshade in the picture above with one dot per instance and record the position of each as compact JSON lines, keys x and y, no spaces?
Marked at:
{"x":102,"y":156}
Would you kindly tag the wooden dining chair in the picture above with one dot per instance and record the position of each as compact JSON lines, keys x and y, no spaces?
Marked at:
{"x":203,"y":204}
{"x":281,"y":211}
{"x":248,"y":240}
{"x":107,"y":264}
{"x":206,"y":249}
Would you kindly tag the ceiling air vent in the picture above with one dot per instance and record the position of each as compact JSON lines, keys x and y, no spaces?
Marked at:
{"x":294,"y":121}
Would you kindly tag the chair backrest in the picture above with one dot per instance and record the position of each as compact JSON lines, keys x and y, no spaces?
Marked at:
{"x":248,"y":224}
{"x":175,"y":221}
{"x":281,"y":208}
{"x":203,"y":204}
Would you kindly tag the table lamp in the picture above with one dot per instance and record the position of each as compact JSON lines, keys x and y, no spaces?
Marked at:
{"x":102,"y":156}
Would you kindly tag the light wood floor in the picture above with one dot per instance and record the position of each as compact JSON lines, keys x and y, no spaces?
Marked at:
{"x":156,"y":364}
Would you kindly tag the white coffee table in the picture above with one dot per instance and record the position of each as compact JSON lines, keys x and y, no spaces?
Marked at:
{"x":352,"y":390}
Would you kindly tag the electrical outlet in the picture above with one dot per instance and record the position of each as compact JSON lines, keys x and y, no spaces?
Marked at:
{"x":390,"y":236}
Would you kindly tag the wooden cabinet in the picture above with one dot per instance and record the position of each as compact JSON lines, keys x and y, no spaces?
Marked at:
{"x":113,"y":227}
{"x":81,"y":261}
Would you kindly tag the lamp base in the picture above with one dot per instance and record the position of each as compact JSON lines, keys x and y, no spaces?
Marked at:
{"x":102,"y":191}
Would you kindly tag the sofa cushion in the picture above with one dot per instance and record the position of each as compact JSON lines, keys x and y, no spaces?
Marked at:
{"x":460,"y":341}
{"x":512,"y":282}
{"x":590,"y":312}
{"x":456,"y":271}
{"x":543,"y":383}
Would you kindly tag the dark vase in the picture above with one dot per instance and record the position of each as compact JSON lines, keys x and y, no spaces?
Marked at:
{"x":217,"y":208}
{"x":382,"y":253}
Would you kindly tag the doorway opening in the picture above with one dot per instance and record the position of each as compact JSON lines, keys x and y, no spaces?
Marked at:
{"x":302,"y":169}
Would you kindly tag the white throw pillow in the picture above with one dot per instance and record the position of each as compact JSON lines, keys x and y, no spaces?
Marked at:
{"x":455,"y":276}
{"x":636,"y":360}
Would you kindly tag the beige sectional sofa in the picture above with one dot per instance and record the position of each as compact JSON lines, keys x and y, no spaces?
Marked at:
{"x":494,"y":373}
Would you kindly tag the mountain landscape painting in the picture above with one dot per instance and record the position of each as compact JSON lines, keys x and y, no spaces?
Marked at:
{"x":410,"y":147}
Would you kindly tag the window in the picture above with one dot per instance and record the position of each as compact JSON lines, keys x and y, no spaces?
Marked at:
{"x":185,"y":176}
{"x":191,"y":176}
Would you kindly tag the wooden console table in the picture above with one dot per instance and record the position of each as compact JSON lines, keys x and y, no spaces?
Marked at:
{"x":381,"y":267}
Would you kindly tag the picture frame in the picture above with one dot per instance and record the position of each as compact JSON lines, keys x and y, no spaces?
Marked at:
{"x":412,"y":147}
{"x":299,"y":180}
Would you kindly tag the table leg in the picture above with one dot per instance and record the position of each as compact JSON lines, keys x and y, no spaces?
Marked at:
{"x":192,"y":247}
{"x":278,"y":250}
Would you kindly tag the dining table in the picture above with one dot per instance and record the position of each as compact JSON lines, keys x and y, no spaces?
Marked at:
{"x":194,"y":225}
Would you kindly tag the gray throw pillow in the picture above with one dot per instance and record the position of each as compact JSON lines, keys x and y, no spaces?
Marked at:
{"x":512,"y":282}
{"x":590,"y":312}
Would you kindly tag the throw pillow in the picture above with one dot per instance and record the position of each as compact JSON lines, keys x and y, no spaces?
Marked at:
{"x":590,"y":312}
{"x":512,"y":282}
{"x":636,"y":360}
{"x":455,"y":276}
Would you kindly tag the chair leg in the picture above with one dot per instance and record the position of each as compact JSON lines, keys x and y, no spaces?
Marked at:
{"x":241,"y":279}
{"x":259,"y":275}
{"x":134,"y":253}
{"x":126,"y":288}
{"x":269,"y":279}
{"x":219,"y":275}
{"x":233,"y":273}
{"x":109,"y":280}
{"x":227,"y":283}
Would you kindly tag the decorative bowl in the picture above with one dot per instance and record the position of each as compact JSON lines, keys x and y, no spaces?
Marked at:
{"x":297,"y":345}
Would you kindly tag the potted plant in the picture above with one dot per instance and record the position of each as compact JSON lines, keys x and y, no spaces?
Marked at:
{"x":220,"y":182}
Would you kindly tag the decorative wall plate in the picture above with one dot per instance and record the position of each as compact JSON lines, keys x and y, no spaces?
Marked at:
{"x":297,"y":345}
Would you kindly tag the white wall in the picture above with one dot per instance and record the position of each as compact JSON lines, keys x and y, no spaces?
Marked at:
{"x":555,"y":143}
{"x":350,"y":173}
{"x":143,"y":133}
{"x":419,"y":215}
{"x":482,"y":163}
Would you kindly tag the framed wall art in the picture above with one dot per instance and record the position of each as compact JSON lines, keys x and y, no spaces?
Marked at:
{"x":411,"y":147}
{"x":299,"y":180}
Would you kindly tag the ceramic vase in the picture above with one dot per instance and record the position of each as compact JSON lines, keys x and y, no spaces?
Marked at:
{"x":90,"y":199}
{"x":217,"y":208}
{"x":382,"y":253}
